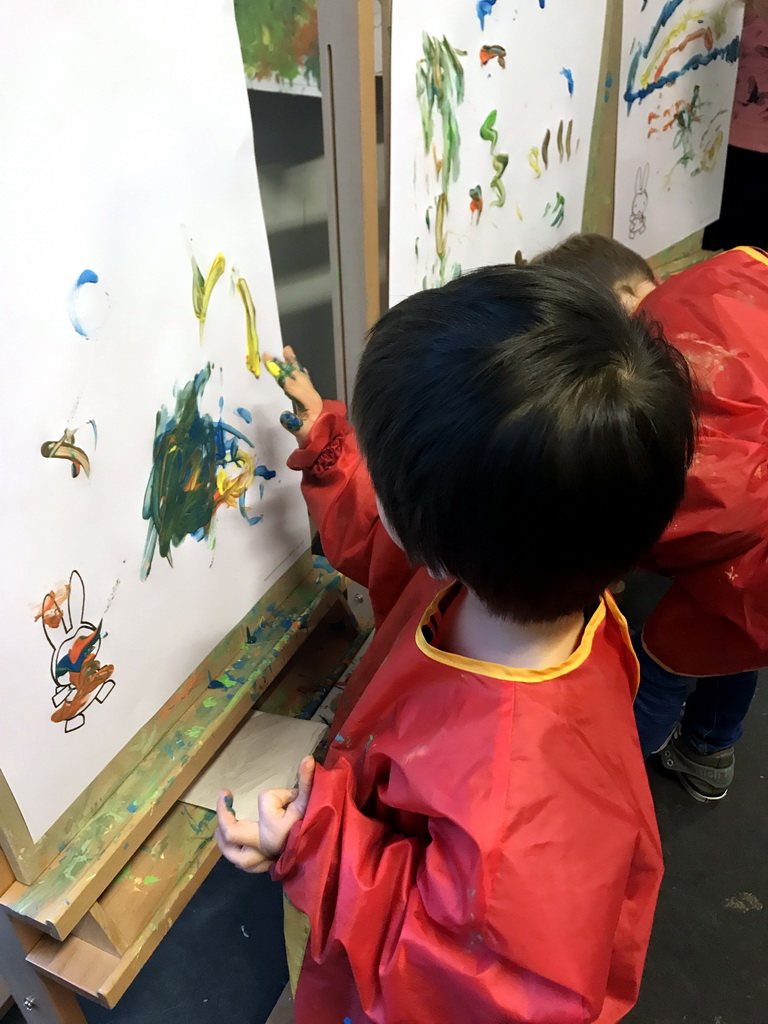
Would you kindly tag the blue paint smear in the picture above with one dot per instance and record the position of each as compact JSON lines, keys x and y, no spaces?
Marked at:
{"x":216,"y":684}
{"x":65,"y":663}
{"x":729,"y":53}
{"x":133,"y":807}
{"x":568,"y":76}
{"x":608,"y":86}
{"x":244,"y":414}
{"x":95,"y":432}
{"x":267,"y":474}
{"x":87,"y":277}
{"x":484,"y":8}
{"x":261,"y":492}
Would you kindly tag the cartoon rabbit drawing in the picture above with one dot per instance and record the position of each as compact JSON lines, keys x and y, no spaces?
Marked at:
{"x":639,"y":202}
{"x":77,"y":675}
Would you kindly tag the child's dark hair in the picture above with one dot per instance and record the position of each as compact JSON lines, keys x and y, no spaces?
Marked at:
{"x":611,"y":263}
{"x":524,"y":435}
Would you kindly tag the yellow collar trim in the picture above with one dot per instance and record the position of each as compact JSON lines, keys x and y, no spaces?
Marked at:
{"x":504,"y":672}
{"x":756,"y":254}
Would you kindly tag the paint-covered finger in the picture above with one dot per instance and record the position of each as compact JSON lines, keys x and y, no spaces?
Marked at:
{"x":291,"y":422}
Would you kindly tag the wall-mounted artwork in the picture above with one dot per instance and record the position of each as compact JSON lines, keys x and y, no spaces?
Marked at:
{"x":678,"y":75}
{"x":279,"y":43}
{"x":150,"y":507}
{"x":494,"y":107}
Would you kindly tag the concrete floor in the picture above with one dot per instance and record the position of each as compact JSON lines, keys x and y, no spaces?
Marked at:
{"x":223,"y":962}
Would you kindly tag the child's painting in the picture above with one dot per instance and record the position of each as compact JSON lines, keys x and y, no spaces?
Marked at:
{"x":490,"y":143}
{"x":678,"y":75}
{"x":278,"y":39}
{"x":152,"y":507}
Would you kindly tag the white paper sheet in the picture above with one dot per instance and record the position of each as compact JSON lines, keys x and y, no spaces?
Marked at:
{"x":265,"y":753}
{"x":125,"y":132}
{"x":678,"y":75}
{"x":530,"y":167}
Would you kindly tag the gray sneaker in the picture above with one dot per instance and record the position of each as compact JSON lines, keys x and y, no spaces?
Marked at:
{"x":705,"y":776}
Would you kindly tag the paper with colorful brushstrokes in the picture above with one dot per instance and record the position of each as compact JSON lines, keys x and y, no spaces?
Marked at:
{"x":678,"y":75}
{"x":494,"y":106}
{"x":146,"y":504}
{"x":279,"y":44}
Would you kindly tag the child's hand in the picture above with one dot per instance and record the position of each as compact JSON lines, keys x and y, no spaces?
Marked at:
{"x":254,"y":846}
{"x":294,"y":380}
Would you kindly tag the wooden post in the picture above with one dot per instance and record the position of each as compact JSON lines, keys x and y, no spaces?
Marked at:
{"x":347,"y":75}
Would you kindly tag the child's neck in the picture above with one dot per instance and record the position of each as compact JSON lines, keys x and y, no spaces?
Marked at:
{"x":473,"y":632}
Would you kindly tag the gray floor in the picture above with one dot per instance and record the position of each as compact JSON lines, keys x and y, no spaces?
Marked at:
{"x":222,"y":963}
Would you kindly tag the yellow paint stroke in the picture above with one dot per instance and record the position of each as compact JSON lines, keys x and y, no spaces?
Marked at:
{"x":665,"y":43}
{"x":230,"y":488}
{"x":65,"y":448}
{"x":202,"y":288}
{"x":533,"y":160}
{"x":441,"y":208}
{"x":252,"y":358}
{"x":519,"y":212}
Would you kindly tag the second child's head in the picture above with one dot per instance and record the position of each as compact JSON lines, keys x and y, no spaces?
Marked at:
{"x":612,"y":264}
{"x":523,"y":436}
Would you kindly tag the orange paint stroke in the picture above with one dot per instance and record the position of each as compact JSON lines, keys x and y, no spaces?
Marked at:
{"x":704,"y":33}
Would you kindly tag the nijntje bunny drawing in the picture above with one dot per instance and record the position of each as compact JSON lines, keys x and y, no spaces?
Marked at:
{"x":639,"y":202}
{"x":77,"y":675}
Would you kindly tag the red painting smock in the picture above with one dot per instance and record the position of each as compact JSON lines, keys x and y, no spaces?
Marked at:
{"x":481,"y":844}
{"x":714,"y":619}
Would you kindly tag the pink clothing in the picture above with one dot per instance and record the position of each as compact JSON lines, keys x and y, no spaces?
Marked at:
{"x":749,"y":124}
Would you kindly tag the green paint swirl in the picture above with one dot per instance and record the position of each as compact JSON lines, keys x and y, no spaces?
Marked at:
{"x":499,"y":160}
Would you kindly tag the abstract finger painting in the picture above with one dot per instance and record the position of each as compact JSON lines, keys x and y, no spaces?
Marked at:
{"x":678,"y":74}
{"x":198,"y":467}
{"x":494,"y":123}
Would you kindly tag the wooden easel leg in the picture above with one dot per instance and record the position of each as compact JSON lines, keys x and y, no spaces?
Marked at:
{"x":40,"y":1001}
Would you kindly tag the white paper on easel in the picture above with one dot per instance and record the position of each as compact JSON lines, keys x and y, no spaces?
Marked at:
{"x":265,"y":753}
{"x":678,"y":76}
{"x":492,"y":113}
{"x":126,"y":142}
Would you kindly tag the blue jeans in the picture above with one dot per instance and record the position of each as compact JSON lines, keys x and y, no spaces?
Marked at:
{"x":715,"y":706}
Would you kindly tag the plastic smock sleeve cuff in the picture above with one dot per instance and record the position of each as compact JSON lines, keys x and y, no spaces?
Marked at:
{"x":325,"y":440}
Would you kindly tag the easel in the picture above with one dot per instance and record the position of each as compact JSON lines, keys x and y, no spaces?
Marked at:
{"x":89,"y":922}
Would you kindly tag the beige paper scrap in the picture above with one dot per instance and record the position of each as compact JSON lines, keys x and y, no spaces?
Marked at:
{"x":263,"y":754}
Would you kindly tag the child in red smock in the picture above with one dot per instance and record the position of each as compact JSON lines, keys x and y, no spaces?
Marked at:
{"x":481,"y":843}
{"x":703,"y":643}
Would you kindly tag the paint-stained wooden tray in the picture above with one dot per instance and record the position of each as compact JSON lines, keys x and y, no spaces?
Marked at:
{"x":109,"y":946}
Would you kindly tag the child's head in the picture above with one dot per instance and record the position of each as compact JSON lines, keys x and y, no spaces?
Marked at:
{"x":614,"y":265}
{"x":523,"y":435}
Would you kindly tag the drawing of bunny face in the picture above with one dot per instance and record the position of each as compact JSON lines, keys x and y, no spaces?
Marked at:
{"x":637,"y":220}
{"x":78,"y":677}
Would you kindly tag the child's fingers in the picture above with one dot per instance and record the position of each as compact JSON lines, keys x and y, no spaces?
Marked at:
{"x":274,"y":801}
{"x":306,"y":775}
{"x":242,"y":833}
{"x":247,"y":858}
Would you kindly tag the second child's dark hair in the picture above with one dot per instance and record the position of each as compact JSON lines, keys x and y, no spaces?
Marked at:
{"x":523,"y":435}
{"x":613,"y":264}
